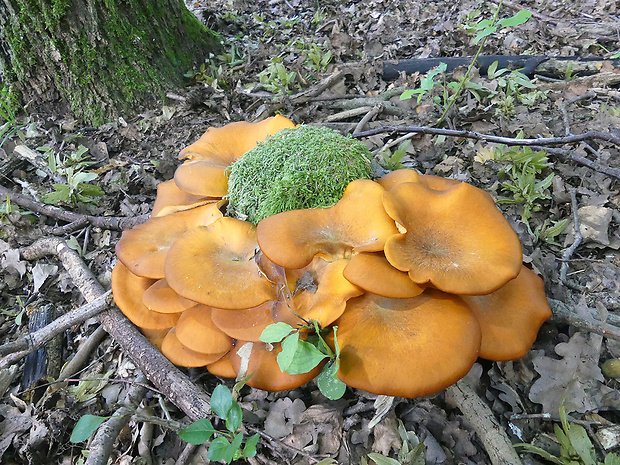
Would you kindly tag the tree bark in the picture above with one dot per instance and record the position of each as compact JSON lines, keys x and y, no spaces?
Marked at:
{"x":96,"y":59}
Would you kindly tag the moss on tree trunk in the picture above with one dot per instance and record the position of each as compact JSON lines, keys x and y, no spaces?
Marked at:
{"x":97,"y":58}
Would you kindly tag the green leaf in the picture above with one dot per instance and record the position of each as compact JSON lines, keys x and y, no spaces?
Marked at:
{"x":85,"y":427}
{"x":234,"y":448}
{"x":90,"y":190}
{"x":198,"y":432}
{"x":484,"y":33}
{"x":382,"y":459}
{"x":580,"y":441}
{"x":289,"y":348}
{"x":329,"y":383}
{"x":306,"y":358}
{"x":221,"y":401}
{"x":275,"y":332}
{"x":612,"y":459}
{"x":517,"y":19}
{"x":249,"y":450}
{"x":407,"y":94}
{"x":218,"y":449}
{"x":541,"y":453}
{"x":234,"y":417}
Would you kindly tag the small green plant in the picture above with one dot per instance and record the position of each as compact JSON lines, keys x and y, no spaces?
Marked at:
{"x":227,"y":445}
{"x":427,"y":83}
{"x":548,"y":232}
{"x":276,"y":78}
{"x":218,"y":71}
{"x":300,"y":355}
{"x":393,"y":160}
{"x":77,"y":188}
{"x":522,"y":167}
{"x":318,"y":58}
{"x":576,"y":448}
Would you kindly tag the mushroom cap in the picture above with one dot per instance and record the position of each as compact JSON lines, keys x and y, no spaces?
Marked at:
{"x":128,"y":290}
{"x":155,"y":336}
{"x":510,"y":317}
{"x":406,"y":347}
{"x":247,"y":324}
{"x":181,"y":356}
{"x":357,"y":223}
{"x":266,"y":373}
{"x":143,"y":249}
{"x":438,"y":183}
{"x":396,"y":177}
{"x":161,"y":298}
{"x":215,"y":265}
{"x":372,"y":272}
{"x":321,"y":294}
{"x":222,"y":368}
{"x":224,"y":145}
{"x":455,"y":239}
{"x":202,"y":178}
{"x":170,"y":199}
{"x":196,"y":331}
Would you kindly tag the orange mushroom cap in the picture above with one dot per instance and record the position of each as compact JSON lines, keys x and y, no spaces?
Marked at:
{"x":357,"y":223}
{"x":455,"y":239}
{"x":196,"y":331}
{"x":182,"y":356}
{"x":170,"y":199}
{"x":396,"y":177}
{"x":223,"y":368}
{"x":224,"y":145}
{"x":438,"y":183}
{"x":266,"y":373}
{"x":202,"y":178}
{"x":247,"y":324}
{"x":325,"y":298}
{"x":511,"y":316}
{"x":161,"y":298}
{"x":143,"y":249}
{"x":406,"y":347}
{"x":215,"y":265}
{"x":128,"y":290}
{"x":372,"y":272}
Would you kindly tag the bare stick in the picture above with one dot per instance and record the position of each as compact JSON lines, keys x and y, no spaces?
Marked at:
{"x":164,"y":375}
{"x":377,"y":109}
{"x":102,"y":445}
{"x":541,"y":141}
{"x":479,"y":415}
{"x":568,"y":253}
{"x":83,"y":353}
{"x":563,"y":314}
{"x":18,"y":349}
{"x":105,"y":222}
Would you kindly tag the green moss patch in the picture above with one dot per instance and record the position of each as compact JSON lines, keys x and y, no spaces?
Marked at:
{"x":304,"y":167}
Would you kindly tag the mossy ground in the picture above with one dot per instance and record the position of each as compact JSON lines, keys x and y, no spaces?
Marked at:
{"x":304,"y":167}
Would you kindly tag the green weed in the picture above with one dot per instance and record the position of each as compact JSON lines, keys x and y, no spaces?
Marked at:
{"x":302,"y":356}
{"x":576,"y":448}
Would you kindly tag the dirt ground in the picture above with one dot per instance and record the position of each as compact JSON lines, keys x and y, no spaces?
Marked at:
{"x":322,"y":63}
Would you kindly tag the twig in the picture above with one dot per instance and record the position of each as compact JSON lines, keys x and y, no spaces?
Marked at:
{"x":102,"y":445}
{"x":541,"y":143}
{"x":18,"y":349}
{"x":105,"y":222}
{"x":493,"y":437}
{"x":569,"y":102}
{"x":568,"y":253}
{"x":348,"y":114}
{"x":164,"y":375}
{"x":186,"y":455}
{"x":563,"y":314}
{"x":548,"y":417}
{"x":262,"y":434}
{"x":81,"y":356}
{"x":374,"y":111}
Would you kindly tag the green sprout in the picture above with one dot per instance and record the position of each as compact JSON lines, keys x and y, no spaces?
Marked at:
{"x":303,"y":167}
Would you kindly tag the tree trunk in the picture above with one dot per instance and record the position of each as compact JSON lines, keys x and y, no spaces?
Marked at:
{"x":95,"y":58}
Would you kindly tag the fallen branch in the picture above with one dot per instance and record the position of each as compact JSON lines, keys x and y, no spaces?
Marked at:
{"x":18,"y":349}
{"x":568,"y":253}
{"x":541,"y":143}
{"x":563,"y":314}
{"x":479,"y":415}
{"x":105,"y":222}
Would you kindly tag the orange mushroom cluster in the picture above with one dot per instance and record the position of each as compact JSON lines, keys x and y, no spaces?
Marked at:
{"x":422,"y":275}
